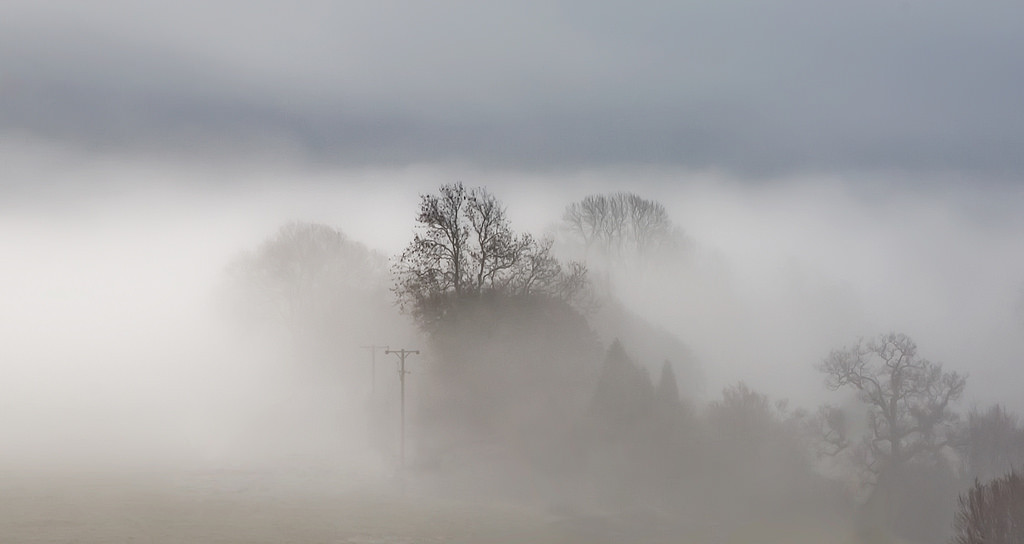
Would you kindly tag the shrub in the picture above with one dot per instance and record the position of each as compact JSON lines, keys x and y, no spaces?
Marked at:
{"x":991,"y":513}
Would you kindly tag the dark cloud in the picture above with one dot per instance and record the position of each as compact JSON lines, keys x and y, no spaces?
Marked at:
{"x":757,"y":88}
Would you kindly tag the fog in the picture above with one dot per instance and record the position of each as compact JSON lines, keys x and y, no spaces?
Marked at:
{"x":210,"y":211}
{"x":119,"y":354}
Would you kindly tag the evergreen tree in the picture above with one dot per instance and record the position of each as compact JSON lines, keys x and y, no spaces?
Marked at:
{"x":667,"y":390}
{"x":625,"y":397}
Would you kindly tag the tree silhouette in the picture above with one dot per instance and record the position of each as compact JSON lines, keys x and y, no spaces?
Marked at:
{"x":908,"y":399}
{"x":624,"y":398}
{"x":910,"y":426}
{"x":619,"y":225}
{"x":465,"y":246}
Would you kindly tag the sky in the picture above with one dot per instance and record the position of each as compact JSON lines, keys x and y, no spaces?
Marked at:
{"x":846,"y":168}
{"x":757,"y":88}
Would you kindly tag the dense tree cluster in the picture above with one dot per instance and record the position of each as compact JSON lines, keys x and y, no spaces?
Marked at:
{"x":619,"y":225}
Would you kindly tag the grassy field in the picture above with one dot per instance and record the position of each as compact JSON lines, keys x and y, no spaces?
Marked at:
{"x":237,"y":507}
{"x":248,"y":507}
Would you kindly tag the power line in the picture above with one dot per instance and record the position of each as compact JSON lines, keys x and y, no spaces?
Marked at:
{"x":373,"y":365}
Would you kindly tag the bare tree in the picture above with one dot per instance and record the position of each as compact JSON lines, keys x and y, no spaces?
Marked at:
{"x":619,"y":225}
{"x":465,"y":246}
{"x":830,"y":430}
{"x":584,"y":220}
{"x":908,"y":400}
{"x":649,"y":223}
{"x":437,"y":259}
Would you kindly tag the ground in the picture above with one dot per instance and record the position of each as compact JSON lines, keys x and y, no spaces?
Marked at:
{"x":239,"y":506}
{"x":246,"y":507}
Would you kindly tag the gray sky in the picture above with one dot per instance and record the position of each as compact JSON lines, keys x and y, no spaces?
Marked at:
{"x":761,"y":89}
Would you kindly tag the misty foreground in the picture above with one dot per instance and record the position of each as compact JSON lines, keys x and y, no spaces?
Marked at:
{"x":230,"y":506}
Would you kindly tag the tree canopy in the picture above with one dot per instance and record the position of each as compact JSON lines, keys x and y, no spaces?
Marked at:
{"x":304,"y":271}
{"x":619,"y":225}
{"x":465,"y":246}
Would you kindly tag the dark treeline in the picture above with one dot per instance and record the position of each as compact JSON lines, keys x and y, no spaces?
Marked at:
{"x":539,"y":384}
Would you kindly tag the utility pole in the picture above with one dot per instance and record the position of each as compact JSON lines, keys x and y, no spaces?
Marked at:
{"x":402,"y":354}
{"x":373,"y":366}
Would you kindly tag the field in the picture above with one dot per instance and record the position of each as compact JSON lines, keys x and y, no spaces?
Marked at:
{"x":246,"y":507}
{"x":225,"y":507}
